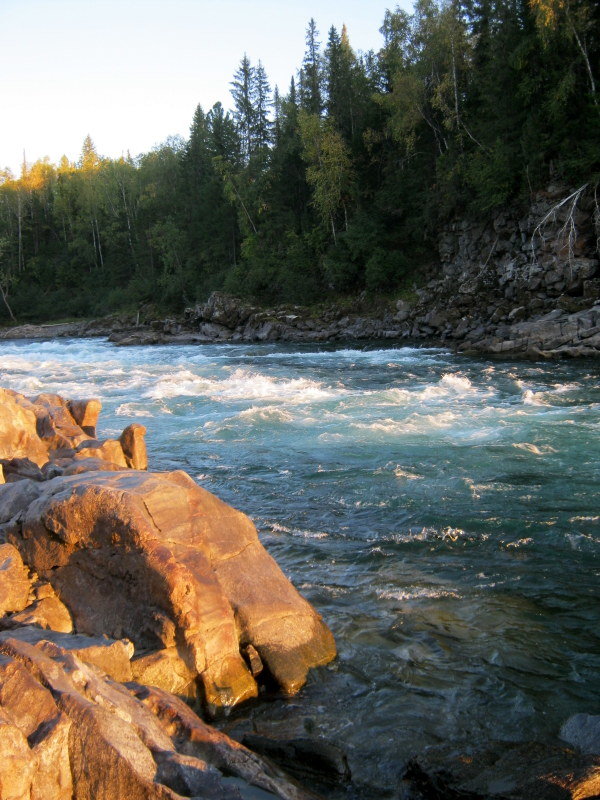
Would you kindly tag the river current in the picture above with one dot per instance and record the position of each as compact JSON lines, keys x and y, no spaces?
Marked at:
{"x":441,"y":512}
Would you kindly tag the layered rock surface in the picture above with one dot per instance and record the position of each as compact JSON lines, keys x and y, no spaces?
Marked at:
{"x":67,"y":730}
{"x":93,"y":547}
{"x":526,"y":283}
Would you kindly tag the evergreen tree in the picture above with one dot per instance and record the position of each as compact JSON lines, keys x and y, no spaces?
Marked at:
{"x":311,"y":96}
{"x":261,"y":102}
{"x":243,"y":94}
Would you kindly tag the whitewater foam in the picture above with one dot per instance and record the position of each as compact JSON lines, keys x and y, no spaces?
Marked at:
{"x":417,"y":593}
{"x":242,"y":384}
{"x":540,"y":450}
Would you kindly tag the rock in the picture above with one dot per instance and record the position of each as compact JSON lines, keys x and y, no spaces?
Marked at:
{"x":402,"y":311}
{"x":215,"y":332}
{"x":583,"y":732}
{"x":225,"y":310}
{"x":14,"y":580}
{"x":134,"y":447}
{"x":34,"y":738}
{"x":109,"y":450}
{"x":16,"y":497}
{"x":202,"y":741}
{"x":86,"y":413}
{"x":18,"y":430}
{"x":55,"y":425}
{"x":39,"y":438}
{"x":85,"y":463}
{"x":157,"y":559}
{"x":16,"y":469}
{"x":48,"y":613}
{"x":67,"y":732}
{"x":115,"y":748}
{"x":517,"y":314}
{"x":166,"y":669}
{"x":111,"y":656}
{"x":253,"y":660}
{"x":49,"y":331}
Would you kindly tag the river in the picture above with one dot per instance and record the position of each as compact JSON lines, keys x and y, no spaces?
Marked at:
{"x":441,"y":512}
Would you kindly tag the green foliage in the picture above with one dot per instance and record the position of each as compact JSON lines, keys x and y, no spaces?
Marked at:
{"x":337,"y":187}
{"x":384,"y":270}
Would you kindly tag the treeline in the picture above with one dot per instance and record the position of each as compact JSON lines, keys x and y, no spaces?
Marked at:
{"x":335,"y":186}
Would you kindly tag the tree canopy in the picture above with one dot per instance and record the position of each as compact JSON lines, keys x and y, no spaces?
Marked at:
{"x":337,"y":186}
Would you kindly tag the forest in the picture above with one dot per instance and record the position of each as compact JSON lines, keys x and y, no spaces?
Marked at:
{"x":335,"y":186}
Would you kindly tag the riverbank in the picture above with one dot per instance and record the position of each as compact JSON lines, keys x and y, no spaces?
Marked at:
{"x":556,"y":332}
{"x":526,"y":284}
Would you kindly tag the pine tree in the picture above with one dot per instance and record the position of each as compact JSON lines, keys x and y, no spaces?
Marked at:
{"x":311,"y":98}
{"x":242,"y":92}
{"x":260,"y":95}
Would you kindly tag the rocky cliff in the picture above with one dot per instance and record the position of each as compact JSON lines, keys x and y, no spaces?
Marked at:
{"x":526,"y":283}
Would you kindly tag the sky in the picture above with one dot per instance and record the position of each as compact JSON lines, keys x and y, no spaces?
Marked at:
{"x":130,"y":73}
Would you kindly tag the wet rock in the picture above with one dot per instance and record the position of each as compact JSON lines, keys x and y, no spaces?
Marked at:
{"x":315,"y":761}
{"x":521,"y":772}
{"x":583,"y":732}
{"x":417,"y":784}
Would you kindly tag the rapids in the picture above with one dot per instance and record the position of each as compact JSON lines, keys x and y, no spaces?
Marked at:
{"x":441,"y":512}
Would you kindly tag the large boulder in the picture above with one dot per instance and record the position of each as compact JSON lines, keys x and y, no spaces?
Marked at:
{"x":157,"y":559}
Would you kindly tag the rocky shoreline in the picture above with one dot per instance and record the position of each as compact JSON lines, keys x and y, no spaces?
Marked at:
{"x":123,"y":593}
{"x":525,"y":285}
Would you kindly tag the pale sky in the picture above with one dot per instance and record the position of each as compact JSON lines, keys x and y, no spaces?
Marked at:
{"x":131,"y":72}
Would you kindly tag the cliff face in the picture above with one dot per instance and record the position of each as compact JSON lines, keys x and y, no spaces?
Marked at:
{"x":524,"y":283}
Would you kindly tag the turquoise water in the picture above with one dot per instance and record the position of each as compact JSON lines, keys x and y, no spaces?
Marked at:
{"x":441,"y":512}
